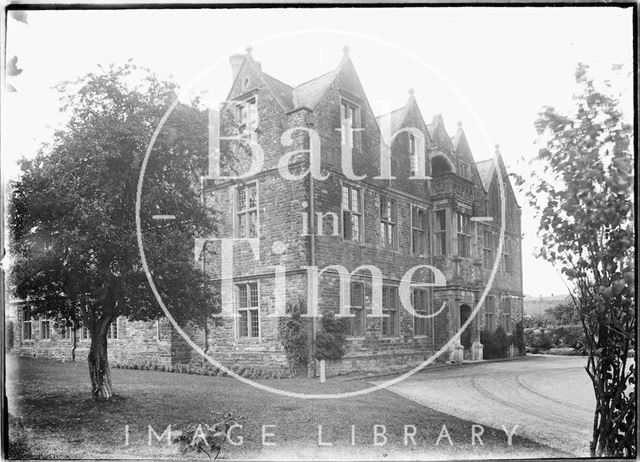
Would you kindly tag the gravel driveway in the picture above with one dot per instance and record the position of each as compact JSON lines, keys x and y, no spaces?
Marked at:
{"x":549,"y":397}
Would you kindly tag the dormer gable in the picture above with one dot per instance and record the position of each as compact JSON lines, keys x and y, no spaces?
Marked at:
{"x":466,"y":162}
{"x":439,"y":135}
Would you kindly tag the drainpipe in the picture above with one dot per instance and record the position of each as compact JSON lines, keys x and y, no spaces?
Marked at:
{"x":311,"y":369}
{"x":204,"y":268}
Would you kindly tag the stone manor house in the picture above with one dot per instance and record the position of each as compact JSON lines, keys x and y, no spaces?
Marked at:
{"x":450,"y":221}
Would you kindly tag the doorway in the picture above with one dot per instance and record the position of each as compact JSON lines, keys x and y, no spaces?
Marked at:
{"x":465,"y":337}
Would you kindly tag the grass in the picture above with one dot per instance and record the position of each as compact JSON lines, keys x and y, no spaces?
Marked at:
{"x":52,"y":416}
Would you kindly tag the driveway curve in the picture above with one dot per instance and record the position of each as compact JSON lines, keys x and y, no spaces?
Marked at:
{"x":549,"y":398}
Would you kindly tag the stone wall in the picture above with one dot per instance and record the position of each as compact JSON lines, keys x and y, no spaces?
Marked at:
{"x":137,"y":343}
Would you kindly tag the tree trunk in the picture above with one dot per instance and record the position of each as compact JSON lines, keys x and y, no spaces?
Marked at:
{"x":101,"y":388}
{"x":75,"y":342}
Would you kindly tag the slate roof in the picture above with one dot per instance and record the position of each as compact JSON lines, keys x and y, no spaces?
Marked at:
{"x":308,"y":94}
{"x":393,"y":118}
{"x":280,"y":90}
{"x":431,"y":128}
{"x":455,"y":139}
{"x":485,"y":170}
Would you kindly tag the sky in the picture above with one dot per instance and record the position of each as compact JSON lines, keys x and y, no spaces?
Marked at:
{"x":493,"y":69}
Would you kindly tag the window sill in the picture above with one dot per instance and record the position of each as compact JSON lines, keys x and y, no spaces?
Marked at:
{"x":355,"y":338}
{"x":248,"y":339}
{"x":390,"y":249}
{"x":420,"y":337}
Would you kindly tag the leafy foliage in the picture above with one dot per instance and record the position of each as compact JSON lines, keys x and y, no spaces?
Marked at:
{"x":72,"y":220}
{"x":332,"y":338}
{"x":293,"y":335}
{"x":561,"y":314}
{"x":583,"y":200}
{"x":496,"y":344}
{"x":539,"y":339}
{"x":519,"y":338}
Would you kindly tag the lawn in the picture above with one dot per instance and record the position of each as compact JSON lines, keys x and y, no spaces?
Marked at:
{"x":53,"y":416}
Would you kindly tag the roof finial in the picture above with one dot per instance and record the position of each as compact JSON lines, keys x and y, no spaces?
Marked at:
{"x":249,"y":49}
{"x":412,"y":91}
{"x":459,"y":123}
{"x":346,"y":49}
{"x":497,"y":149}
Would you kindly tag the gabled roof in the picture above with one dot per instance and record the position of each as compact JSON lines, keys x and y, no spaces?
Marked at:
{"x":282,"y":92}
{"x":309,"y":93}
{"x":396,"y":118}
{"x":455,"y":139}
{"x":437,"y":126}
{"x":431,"y":128}
{"x":486,"y":168}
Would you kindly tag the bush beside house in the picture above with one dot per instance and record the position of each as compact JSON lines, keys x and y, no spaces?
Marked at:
{"x":499,"y":344}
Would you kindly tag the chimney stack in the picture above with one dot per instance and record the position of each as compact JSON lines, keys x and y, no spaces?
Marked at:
{"x":236,"y":61}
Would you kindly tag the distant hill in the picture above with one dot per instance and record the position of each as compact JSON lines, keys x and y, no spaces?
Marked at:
{"x":537,"y":305}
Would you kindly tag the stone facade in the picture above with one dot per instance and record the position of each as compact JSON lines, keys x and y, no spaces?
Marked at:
{"x":451,"y":221}
{"x":130,"y":342}
{"x":287,"y":213}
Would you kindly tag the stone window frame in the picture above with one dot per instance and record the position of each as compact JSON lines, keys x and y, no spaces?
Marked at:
{"x":244,"y":121}
{"x":423,"y":310}
{"x":463,"y":234}
{"x":45,"y":331}
{"x":488,"y":246}
{"x":66,"y":333}
{"x":85,"y":335}
{"x":389,"y":221}
{"x":356,"y":110}
{"x":386,"y":309}
{"x":465,"y":170}
{"x":507,"y":262}
{"x":114,"y":332}
{"x":359,"y":213}
{"x":440,"y":232}
{"x":413,"y":155}
{"x":247,"y":211}
{"x":424,"y":230}
{"x":353,"y":320}
{"x":490,"y":313}
{"x":27,"y":320}
{"x":249,"y":309}
{"x":506,"y":320}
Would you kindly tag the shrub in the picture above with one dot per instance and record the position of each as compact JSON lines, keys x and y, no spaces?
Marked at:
{"x":332,"y":338}
{"x":293,"y":336}
{"x":9,"y":335}
{"x":570,"y":336}
{"x":541,"y":340}
{"x":496,"y":344}
{"x":519,"y":341}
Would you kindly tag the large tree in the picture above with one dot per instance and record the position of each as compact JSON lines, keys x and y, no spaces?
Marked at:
{"x":581,"y":188}
{"x":72,"y":210}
